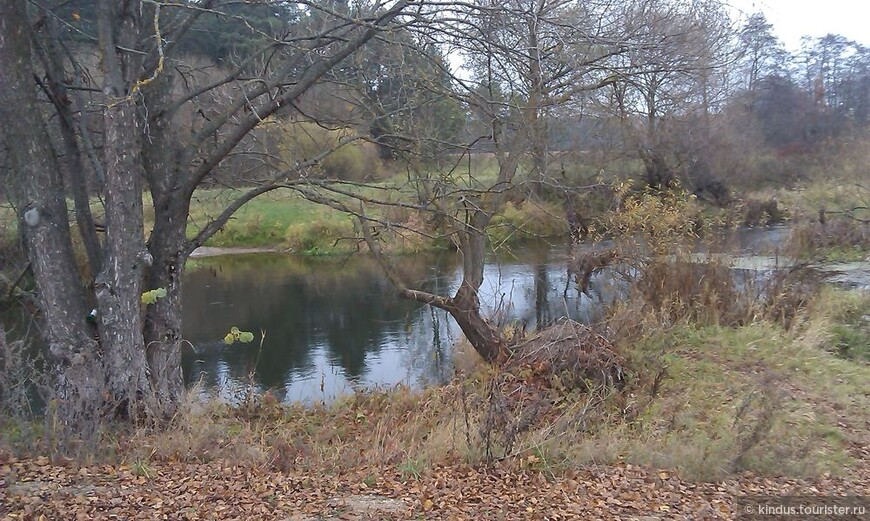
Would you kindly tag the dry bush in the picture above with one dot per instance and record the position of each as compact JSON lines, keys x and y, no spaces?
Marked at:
{"x":754,"y":420}
{"x":652,"y":221}
{"x":787,"y":294}
{"x":704,"y":292}
{"x":550,"y":374}
{"x":408,"y":231}
{"x":575,"y":354}
{"x":654,"y":233}
{"x":683,"y":289}
{"x":19,"y":376}
{"x":837,"y":238}
{"x":761,"y":213}
{"x":201,"y":431}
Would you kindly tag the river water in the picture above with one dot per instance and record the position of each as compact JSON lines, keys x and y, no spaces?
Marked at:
{"x":333,"y":325}
{"x":325,"y":327}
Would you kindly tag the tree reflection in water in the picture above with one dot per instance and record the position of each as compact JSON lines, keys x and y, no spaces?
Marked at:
{"x":336,"y":324}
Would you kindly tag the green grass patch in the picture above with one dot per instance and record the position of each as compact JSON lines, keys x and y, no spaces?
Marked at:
{"x":750,"y":398}
{"x":262,"y":222}
{"x":847,"y":323}
{"x":530,"y":220}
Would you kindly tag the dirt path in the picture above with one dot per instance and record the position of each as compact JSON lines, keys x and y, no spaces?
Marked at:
{"x":36,"y":489}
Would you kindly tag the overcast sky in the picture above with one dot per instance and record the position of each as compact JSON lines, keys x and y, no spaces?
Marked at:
{"x":792,"y":19}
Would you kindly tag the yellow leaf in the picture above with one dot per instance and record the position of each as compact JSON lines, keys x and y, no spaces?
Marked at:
{"x":427,"y":505}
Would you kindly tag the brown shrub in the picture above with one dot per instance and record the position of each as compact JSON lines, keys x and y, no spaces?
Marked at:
{"x":683,"y":289}
{"x":762,"y":213}
{"x":829,"y":237}
{"x":575,"y":353}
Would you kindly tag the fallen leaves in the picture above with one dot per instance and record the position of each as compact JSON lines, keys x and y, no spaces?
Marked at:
{"x":37,"y":489}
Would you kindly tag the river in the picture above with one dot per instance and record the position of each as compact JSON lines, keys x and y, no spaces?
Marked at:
{"x":331,"y":325}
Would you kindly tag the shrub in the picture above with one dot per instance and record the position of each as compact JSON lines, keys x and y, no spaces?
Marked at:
{"x":318,"y":237}
{"x":702,"y":292}
{"x":838,"y":239}
{"x":352,"y":159}
{"x":654,"y":220}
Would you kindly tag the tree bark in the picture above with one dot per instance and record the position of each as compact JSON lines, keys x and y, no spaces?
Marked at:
{"x":169,"y":245}
{"x":74,"y":166}
{"x":118,"y":287}
{"x":42,"y":215}
{"x":163,"y":318}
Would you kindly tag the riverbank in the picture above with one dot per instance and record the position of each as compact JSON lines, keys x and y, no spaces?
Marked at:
{"x":285,"y":221}
{"x":707,"y":414}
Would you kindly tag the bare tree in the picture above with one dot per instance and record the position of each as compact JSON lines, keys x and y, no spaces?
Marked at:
{"x":39,"y":197}
{"x":676,"y":51}
{"x":163,"y":126}
{"x":523,"y":59}
{"x":763,"y":53}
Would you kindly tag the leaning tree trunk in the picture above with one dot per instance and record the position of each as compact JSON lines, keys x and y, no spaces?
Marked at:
{"x":464,"y":305}
{"x":42,"y":216}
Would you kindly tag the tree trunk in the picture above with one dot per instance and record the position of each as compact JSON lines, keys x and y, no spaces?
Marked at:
{"x":464,"y":306}
{"x":118,"y":287}
{"x":169,"y":245}
{"x":486,"y":340}
{"x":73,"y":164}
{"x":42,"y":215}
{"x":163,"y":318}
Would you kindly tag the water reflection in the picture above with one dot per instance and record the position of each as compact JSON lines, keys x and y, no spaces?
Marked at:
{"x":329,"y":325}
{"x":335,"y":325}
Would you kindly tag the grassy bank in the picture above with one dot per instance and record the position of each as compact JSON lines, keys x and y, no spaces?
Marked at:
{"x":829,"y":207}
{"x":706,"y":401}
{"x":286,"y":221}
{"x":280,"y":219}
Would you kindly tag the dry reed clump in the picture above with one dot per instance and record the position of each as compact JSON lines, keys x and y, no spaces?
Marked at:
{"x":835,"y":238}
{"x":666,"y":291}
{"x":787,"y":294}
{"x":679,"y":289}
